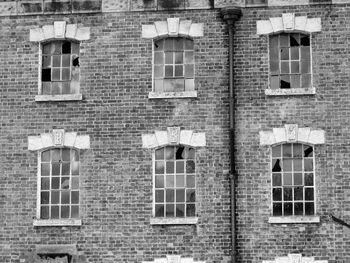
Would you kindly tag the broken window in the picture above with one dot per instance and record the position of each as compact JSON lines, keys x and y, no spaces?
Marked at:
{"x":55,"y":258}
{"x":293,"y":174}
{"x":174,"y":182}
{"x":60,"y":68}
{"x":173,"y":65}
{"x":290,"y":61}
{"x":59,"y":183}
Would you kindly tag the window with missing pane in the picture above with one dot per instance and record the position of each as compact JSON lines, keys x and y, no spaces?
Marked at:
{"x":60,"y":68}
{"x":293,"y":177}
{"x":290,"y":61}
{"x":59,"y":184}
{"x":174,"y":182}
{"x":173,"y":65}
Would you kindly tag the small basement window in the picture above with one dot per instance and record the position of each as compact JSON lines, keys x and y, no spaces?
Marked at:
{"x":55,"y":258}
{"x":60,"y":68}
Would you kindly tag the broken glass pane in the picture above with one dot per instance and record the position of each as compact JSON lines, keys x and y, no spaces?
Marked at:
{"x":55,"y":197}
{"x":170,"y":211}
{"x":66,"y":48}
{"x":189,"y":71}
{"x":180,"y":210}
{"x":169,"y":57}
{"x":159,"y":196}
{"x":189,"y":57}
{"x":309,"y":179}
{"x":65,"y":197}
{"x":276,"y":179}
{"x":285,"y":82}
{"x":287,"y":194}
{"x":75,"y":197}
{"x":45,"y":197}
{"x":294,"y":40}
{"x":75,"y":62}
{"x":309,"y":194}
{"x":190,"y":181}
{"x":180,"y":195}
{"x":284,"y":40}
{"x":277,"y":194}
{"x":180,"y":167}
{"x":179,"y":72}
{"x":180,"y":180}
{"x":298,"y":179}
{"x":169,"y":195}
{"x":169,"y":180}
{"x":74,"y":211}
{"x":159,"y":71}
{"x":189,"y":84}
{"x":190,"y":210}
{"x":65,"y":211}
{"x":295,"y":81}
{"x":275,"y":82}
{"x":276,"y":165}
{"x":179,"y":153}
{"x":277,"y":209}
{"x":170,"y":167}
{"x":285,"y":67}
{"x":159,"y":181}
{"x":190,"y":195}
{"x":308,"y":151}
{"x":46,"y":74}
{"x":288,"y":209}
{"x":55,"y":212}
{"x":309,"y":209}
{"x":304,"y":40}
{"x":65,"y":183}
{"x":169,"y":71}
{"x":298,"y":209}
{"x":287,"y":178}
{"x":44,"y":212}
{"x":158,"y":45}
{"x":298,"y":193}
{"x":159,"y":210}
{"x":179,"y":58}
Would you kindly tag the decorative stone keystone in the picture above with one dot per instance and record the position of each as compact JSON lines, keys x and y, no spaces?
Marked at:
{"x":291,"y":132}
{"x":295,"y":258}
{"x":58,"y":137}
{"x":172,"y":136}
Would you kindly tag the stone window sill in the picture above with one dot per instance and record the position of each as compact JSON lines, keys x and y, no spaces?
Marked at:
{"x":172,"y":95}
{"x":57,"y":222}
{"x":174,"y":221}
{"x":294,"y":219}
{"x":284,"y":92}
{"x":63,"y":97}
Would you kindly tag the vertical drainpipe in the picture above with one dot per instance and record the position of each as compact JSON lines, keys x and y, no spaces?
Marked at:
{"x":231,"y":15}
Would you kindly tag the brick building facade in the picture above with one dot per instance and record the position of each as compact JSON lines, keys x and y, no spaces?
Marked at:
{"x":115,"y":131}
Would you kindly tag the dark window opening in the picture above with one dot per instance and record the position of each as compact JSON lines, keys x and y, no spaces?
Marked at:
{"x":55,"y":258}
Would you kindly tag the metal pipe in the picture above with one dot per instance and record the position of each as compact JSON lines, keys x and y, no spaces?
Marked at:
{"x":231,"y":15}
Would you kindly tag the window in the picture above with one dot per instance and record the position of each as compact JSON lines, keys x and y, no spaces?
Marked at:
{"x":293,"y":188}
{"x":59,"y":183}
{"x":60,"y":68}
{"x":173,"y":65}
{"x":290,"y":61}
{"x":174,"y":182}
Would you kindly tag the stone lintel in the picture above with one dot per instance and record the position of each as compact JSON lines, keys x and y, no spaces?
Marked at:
{"x":56,"y":249}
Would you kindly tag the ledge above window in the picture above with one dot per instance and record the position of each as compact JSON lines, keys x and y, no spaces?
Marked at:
{"x":284,"y":92}
{"x":294,"y":219}
{"x":174,"y":221}
{"x":57,"y":222}
{"x":60,"y":97}
{"x":172,"y":95}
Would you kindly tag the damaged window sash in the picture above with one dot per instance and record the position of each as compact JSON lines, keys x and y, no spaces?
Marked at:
{"x":60,"y":68}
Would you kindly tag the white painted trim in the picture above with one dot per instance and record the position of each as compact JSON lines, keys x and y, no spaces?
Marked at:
{"x":60,"y":97}
{"x":173,"y":259}
{"x":172,"y":27}
{"x":288,"y":23}
{"x":294,"y":219}
{"x":57,"y":222}
{"x":174,"y":221}
{"x":291,"y":258}
{"x":172,"y":95}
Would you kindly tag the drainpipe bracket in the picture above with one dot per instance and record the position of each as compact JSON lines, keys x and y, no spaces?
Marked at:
{"x":231,"y":14}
